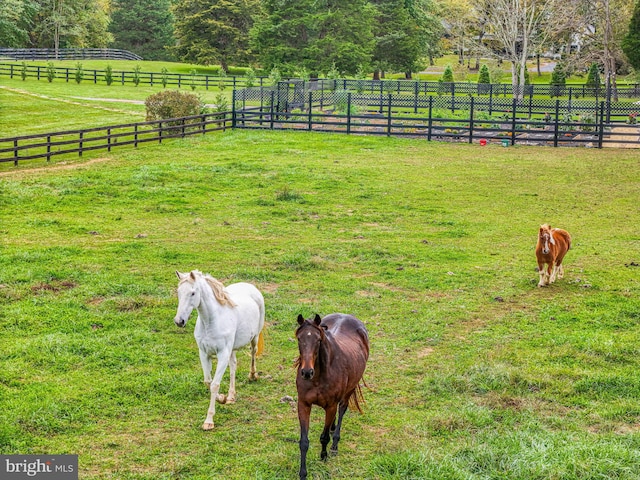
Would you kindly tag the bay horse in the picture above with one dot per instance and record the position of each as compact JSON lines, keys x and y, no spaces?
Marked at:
{"x":552,"y":246}
{"x":333,"y":355}
{"x":228,"y":319}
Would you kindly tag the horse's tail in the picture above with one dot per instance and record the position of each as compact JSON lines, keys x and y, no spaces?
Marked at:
{"x":356,"y":399}
{"x":261,"y":342}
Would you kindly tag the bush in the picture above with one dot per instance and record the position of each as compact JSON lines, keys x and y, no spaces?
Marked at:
{"x":108,"y":74}
{"x":483,"y":75}
{"x":136,"y":75}
{"x":172,"y":104}
{"x":250,"y":78}
{"x":51,"y":72}
{"x":23,"y":71}
{"x":79,"y":75}
{"x":447,"y":76}
{"x":593,"y":78}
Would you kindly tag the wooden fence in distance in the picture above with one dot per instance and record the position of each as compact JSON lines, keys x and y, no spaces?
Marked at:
{"x":47,"y":145}
{"x":67,"y":54}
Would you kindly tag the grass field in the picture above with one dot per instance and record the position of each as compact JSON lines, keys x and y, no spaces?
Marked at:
{"x":475,"y":373}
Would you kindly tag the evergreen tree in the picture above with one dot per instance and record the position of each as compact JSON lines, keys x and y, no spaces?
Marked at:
{"x":397,"y":42}
{"x":314,"y":35}
{"x":144,"y":27}
{"x":631,"y":42}
{"x":483,"y":74}
{"x":214,"y":31}
{"x":593,"y":78}
{"x":559,"y":75}
{"x":447,"y":76}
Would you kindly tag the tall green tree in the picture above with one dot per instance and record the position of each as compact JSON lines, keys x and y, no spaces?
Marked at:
{"x":397,"y":38}
{"x":631,"y":41}
{"x":16,"y":18}
{"x":214,"y":31}
{"x":71,"y":23}
{"x":314,"y":35}
{"x":144,"y":27}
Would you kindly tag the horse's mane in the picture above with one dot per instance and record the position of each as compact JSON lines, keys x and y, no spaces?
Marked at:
{"x":217,"y":288}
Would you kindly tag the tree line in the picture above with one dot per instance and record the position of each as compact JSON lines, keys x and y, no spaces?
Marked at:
{"x":339,"y":37}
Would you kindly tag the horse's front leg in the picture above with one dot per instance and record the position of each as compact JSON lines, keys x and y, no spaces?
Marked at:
{"x":231,"y":397}
{"x":336,"y":433}
{"x":304,"y":412}
{"x":329,"y":418}
{"x":554,"y":272}
{"x":544,"y":280}
{"x":223,"y":361}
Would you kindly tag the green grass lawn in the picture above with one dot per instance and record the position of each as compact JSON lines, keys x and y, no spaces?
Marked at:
{"x":474,"y":372}
{"x":37,"y":106}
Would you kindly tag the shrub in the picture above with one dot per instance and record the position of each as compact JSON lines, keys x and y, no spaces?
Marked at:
{"x":274,"y":76}
{"x":51,"y":72}
{"x":250,"y":78}
{"x":447,"y":76}
{"x":136,"y":75}
{"x":593,"y":78}
{"x":23,"y":71}
{"x":222,"y":80}
{"x":108,"y":74}
{"x":172,"y":104}
{"x":193,"y":79}
{"x":79,"y":75}
{"x":483,"y":75}
{"x":558,"y":79}
{"x":164,"y":77}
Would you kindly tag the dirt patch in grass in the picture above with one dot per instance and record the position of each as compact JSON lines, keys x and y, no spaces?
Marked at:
{"x":55,"y":286}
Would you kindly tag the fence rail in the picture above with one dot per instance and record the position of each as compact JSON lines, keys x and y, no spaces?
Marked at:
{"x":67,"y":54}
{"x":400,"y":115}
{"x":47,"y":145}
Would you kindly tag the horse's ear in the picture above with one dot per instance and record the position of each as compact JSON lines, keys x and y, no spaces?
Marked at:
{"x":192,"y":275}
{"x":180,"y":275}
{"x":300,"y":319}
{"x":317,"y":319}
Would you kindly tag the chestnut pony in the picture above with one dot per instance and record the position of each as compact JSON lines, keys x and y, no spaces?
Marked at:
{"x":333,"y":355}
{"x":553,"y":244}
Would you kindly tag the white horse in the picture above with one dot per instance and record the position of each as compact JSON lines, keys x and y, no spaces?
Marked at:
{"x":228,"y":318}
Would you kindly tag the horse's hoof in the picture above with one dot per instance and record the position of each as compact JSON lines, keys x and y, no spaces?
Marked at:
{"x":221,"y":398}
{"x":207,"y":426}
{"x":253,"y":377}
{"x":230,"y":400}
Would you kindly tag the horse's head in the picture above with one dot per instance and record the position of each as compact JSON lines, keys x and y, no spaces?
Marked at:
{"x":188,"y":297}
{"x":310,"y":335}
{"x":545,"y":238}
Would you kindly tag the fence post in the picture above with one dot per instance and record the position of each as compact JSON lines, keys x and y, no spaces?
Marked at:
{"x":555,"y":127}
{"x":135,"y":135}
{"x":471,"y":121}
{"x":160,"y":132}
{"x":108,"y":139}
{"x":15,"y":152}
{"x":234,"y":118}
{"x":430,"y":121}
{"x":80,"y":144}
{"x":513,"y":121}
{"x":271,"y":110}
{"x":310,"y":108}
{"x":490,"y":98}
{"x":416,"y":89}
{"x":601,"y":125}
{"x":348,"y":112}
{"x":48,"y":148}
{"x":389,"y":117}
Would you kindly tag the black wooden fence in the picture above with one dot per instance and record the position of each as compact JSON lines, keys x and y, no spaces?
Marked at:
{"x":47,"y":145}
{"x":434,"y":118}
{"x":67,"y":54}
{"x":130,"y":77}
